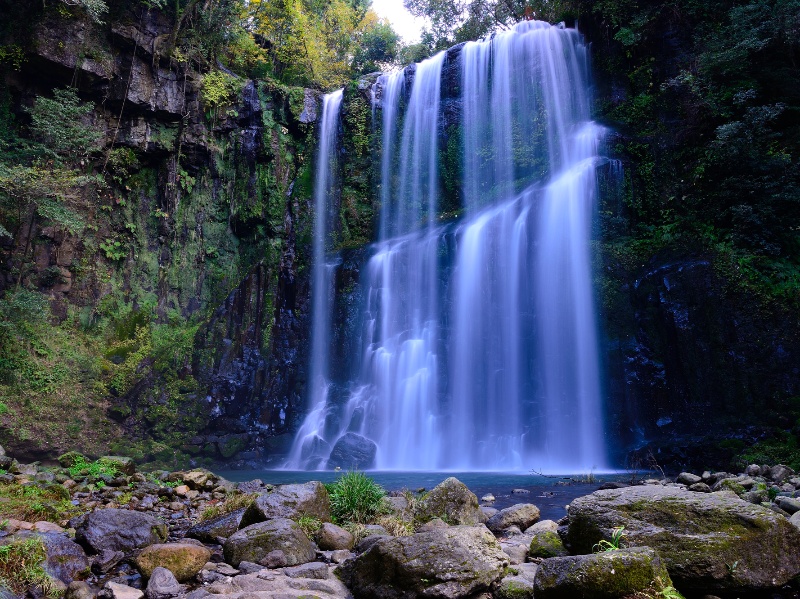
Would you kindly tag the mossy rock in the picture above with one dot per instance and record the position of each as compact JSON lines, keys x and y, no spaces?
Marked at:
{"x":606,"y":575}
{"x":545,"y":544}
{"x":69,"y":459}
{"x":698,"y":535}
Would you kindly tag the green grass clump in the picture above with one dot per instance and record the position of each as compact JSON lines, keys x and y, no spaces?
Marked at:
{"x":33,"y":502}
{"x":80,"y":467}
{"x":309,"y":524}
{"x":356,"y":498}
{"x":21,"y":567}
{"x":233,"y":502}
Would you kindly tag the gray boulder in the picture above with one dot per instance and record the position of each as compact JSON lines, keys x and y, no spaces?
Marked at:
{"x":606,"y":575}
{"x":700,"y":536}
{"x":521,"y":515}
{"x":65,"y":560}
{"x":687,"y":478}
{"x":209,"y":531}
{"x":163,"y":585}
{"x":451,"y":501}
{"x":446,"y":563}
{"x":780,"y":473}
{"x":257,"y":542}
{"x":120,"y":530}
{"x":331,"y":537}
{"x":514,"y":587}
{"x":289,"y":501}
{"x":546,"y":543}
{"x":353,"y":452}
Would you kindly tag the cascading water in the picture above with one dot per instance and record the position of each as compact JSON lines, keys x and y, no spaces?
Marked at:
{"x":310,"y":446}
{"x":479,"y":346}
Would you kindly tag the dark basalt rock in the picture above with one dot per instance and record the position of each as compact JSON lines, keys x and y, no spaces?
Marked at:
{"x":120,"y":530}
{"x":353,"y":452}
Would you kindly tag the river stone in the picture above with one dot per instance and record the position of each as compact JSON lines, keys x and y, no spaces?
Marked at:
{"x":541,"y":526}
{"x":78,"y":589}
{"x":353,"y":452}
{"x":514,"y":587}
{"x":255,"y":542}
{"x":687,"y":478}
{"x":330,"y":537}
{"x":289,"y":501}
{"x":606,"y":575}
{"x":546,"y":543}
{"x":457,"y":561}
{"x":698,"y":535}
{"x":209,"y":531}
{"x":65,"y":561}
{"x":451,"y":501}
{"x":789,"y":505}
{"x":522,"y":515}
{"x":779,"y":473}
{"x":163,"y":585}
{"x":120,"y":530}
{"x":184,"y":560}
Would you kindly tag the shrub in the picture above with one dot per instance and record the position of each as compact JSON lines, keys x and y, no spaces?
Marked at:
{"x":356,"y":498}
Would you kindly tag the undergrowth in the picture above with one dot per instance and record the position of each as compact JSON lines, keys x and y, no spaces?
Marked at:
{"x":21,"y":567}
{"x":33,"y":502}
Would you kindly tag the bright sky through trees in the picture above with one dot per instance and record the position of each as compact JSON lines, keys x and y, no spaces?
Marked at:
{"x":402,"y":21}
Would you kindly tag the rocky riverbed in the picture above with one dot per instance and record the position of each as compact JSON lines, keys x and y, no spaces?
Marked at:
{"x":88,"y":529}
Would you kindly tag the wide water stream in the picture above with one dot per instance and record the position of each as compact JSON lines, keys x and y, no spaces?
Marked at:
{"x":549,"y":494}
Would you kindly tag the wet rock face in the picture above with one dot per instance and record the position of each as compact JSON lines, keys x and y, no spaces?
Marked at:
{"x":698,"y":535}
{"x":688,"y":353}
{"x":445,"y":563}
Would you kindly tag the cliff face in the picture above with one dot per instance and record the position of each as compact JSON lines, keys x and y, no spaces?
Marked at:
{"x":196,"y":239}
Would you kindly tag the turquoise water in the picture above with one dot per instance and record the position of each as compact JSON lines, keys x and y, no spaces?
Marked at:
{"x":549,"y":494}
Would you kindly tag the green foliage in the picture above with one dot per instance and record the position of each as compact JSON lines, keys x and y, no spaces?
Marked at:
{"x":114,"y":249}
{"x":21,"y":567}
{"x":309,"y":524}
{"x":34,"y":502}
{"x":612,"y":545}
{"x":356,"y":498}
{"x":58,"y":123}
{"x":219,"y":90}
{"x":80,"y":467}
{"x":783,"y":448}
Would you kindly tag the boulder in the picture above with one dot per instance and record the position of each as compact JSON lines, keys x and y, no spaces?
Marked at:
{"x":69,"y":459}
{"x":546,"y":543}
{"x":541,"y":526}
{"x":514,"y":587}
{"x":457,"y":561}
{"x":163,"y":585}
{"x":65,"y":560}
{"x":78,"y":589}
{"x":521,"y":515}
{"x":606,"y":575}
{"x":780,"y":473}
{"x":120,"y":530}
{"x":289,"y":501}
{"x":330,"y":537}
{"x":687,"y":478}
{"x":789,"y":505}
{"x":209,"y":531}
{"x":255,"y":542}
{"x":700,"y":536}
{"x":184,"y":560}
{"x":451,"y":501}
{"x":353,"y":452}
{"x":124,"y":465}
{"x":199,"y":479}
{"x":115,"y":590}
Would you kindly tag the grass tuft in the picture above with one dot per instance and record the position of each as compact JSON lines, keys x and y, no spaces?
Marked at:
{"x":21,"y":567}
{"x":356,"y":498}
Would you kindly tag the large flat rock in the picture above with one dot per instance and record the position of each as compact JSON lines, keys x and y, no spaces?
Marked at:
{"x":708,"y":541}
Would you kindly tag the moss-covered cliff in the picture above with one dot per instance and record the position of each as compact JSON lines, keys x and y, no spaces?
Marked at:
{"x":176,"y":303}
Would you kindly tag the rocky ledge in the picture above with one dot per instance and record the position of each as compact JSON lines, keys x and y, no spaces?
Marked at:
{"x":104,"y":530}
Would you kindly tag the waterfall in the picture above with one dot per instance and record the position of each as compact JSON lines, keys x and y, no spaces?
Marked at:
{"x":479,"y":344}
{"x":312,"y":445}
